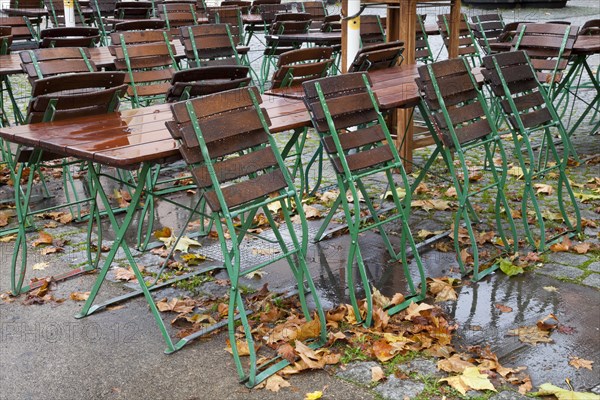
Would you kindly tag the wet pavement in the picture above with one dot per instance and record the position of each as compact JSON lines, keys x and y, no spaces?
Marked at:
{"x":117,"y":353}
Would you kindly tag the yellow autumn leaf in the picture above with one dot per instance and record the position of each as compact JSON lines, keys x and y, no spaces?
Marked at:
{"x":548,"y":389}
{"x":471,"y":378}
{"x":389,"y":195}
{"x":313,"y":395}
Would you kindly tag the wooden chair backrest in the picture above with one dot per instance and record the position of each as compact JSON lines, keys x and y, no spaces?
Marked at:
{"x":77,"y":36}
{"x":297,"y":66}
{"x":43,"y":63}
{"x":377,"y":56}
{"x":209,"y":44}
{"x":207,"y":80}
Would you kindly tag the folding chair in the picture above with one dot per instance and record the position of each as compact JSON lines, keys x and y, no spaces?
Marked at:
{"x":467,"y":46}
{"x":6,"y":40}
{"x":55,"y":98}
{"x":251,"y":177}
{"x":262,"y":26}
{"x":529,"y":112}
{"x":140,"y":25}
{"x":549,"y":47}
{"x":371,"y":30}
{"x":460,"y":122}
{"x":378,"y":56}
{"x":148,"y":59}
{"x":209,"y":45}
{"x":487,"y":28}
{"x":423,"y":51}
{"x":203,"y":81}
{"x":24,"y":36}
{"x":345,"y":113}
{"x":231,"y":16}
{"x":133,"y":10}
{"x":56,"y":13}
{"x":289,"y":23}
{"x":317,"y":12}
{"x":293,"y":68}
{"x":177,"y":15}
{"x":75,"y":36}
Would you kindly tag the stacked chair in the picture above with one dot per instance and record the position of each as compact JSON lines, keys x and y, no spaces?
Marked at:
{"x":345,"y":104}
{"x":147,"y":57}
{"x":487,"y":28}
{"x":459,"y":120}
{"x":252,"y":176}
{"x":69,"y":37}
{"x":378,"y":56}
{"x":529,"y":112}
{"x":467,"y":45}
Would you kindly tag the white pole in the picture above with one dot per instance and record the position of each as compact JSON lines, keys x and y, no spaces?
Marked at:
{"x":352,"y":32}
{"x":69,"y":13}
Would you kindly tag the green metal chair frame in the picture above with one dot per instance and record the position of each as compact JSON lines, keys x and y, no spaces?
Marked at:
{"x":228,"y":124}
{"x":487,"y":28}
{"x":528,"y":110}
{"x":148,"y":58}
{"x":177,"y":15}
{"x":458,"y":118}
{"x":467,"y":45}
{"x":346,"y":103}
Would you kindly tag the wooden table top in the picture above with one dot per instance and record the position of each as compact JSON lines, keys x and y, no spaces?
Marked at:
{"x":127,"y":138}
{"x":585,"y":45}
{"x":25,"y":12}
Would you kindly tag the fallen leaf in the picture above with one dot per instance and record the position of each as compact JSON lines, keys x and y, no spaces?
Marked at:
{"x":516,"y":172}
{"x":580,"y":363}
{"x":509,"y":268}
{"x":563,"y":394}
{"x":309,"y":330}
{"x":550,"y":289}
{"x":471,"y":379}
{"x":377,"y":374}
{"x":255,"y":274}
{"x":503,"y":308}
{"x":435,"y":204}
{"x":415,"y":310}
{"x":313,"y":395}
{"x":79,"y":296}
{"x":40,"y":266}
{"x":43,"y":238}
{"x":181,"y":306}
{"x":531,"y":334}
{"x":9,"y":238}
{"x":582,"y":248}
{"x":565,"y":245}
{"x":383,"y":350}
{"x":192,"y":259}
{"x":543,"y":188}
{"x":451,"y":192}
{"x":3,"y":219}
{"x":454,"y":364}
{"x":124,"y":274}
{"x":165,"y":232}
{"x":275,"y":382}
{"x":548,"y":323}
{"x":311,"y":212}
{"x":585,"y":197}
{"x":287,"y":352}
{"x":442,"y":289}
{"x":265,"y":252}
{"x":390,"y":196}
{"x":51,"y":250}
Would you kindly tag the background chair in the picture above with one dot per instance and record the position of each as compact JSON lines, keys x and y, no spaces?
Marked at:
{"x":203,"y":81}
{"x":378,"y":56}
{"x":147,"y":57}
{"x":69,"y":37}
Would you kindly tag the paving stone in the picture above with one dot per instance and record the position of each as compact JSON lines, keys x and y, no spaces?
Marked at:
{"x":359,"y":372}
{"x":595,"y":266}
{"x":572,"y":259}
{"x":592,"y":280}
{"x":421,"y":366}
{"x":560,"y":271}
{"x":399,"y":389}
{"x":508,"y":395}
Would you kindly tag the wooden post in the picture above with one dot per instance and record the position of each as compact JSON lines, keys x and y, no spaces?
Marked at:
{"x":344,"y":36}
{"x":402,"y":26}
{"x":455,"y":20}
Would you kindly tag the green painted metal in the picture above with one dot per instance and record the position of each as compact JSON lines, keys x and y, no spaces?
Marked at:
{"x":348,"y":182}
{"x":456,"y":153}
{"x":534,"y":168}
{"x":295,"y":256}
